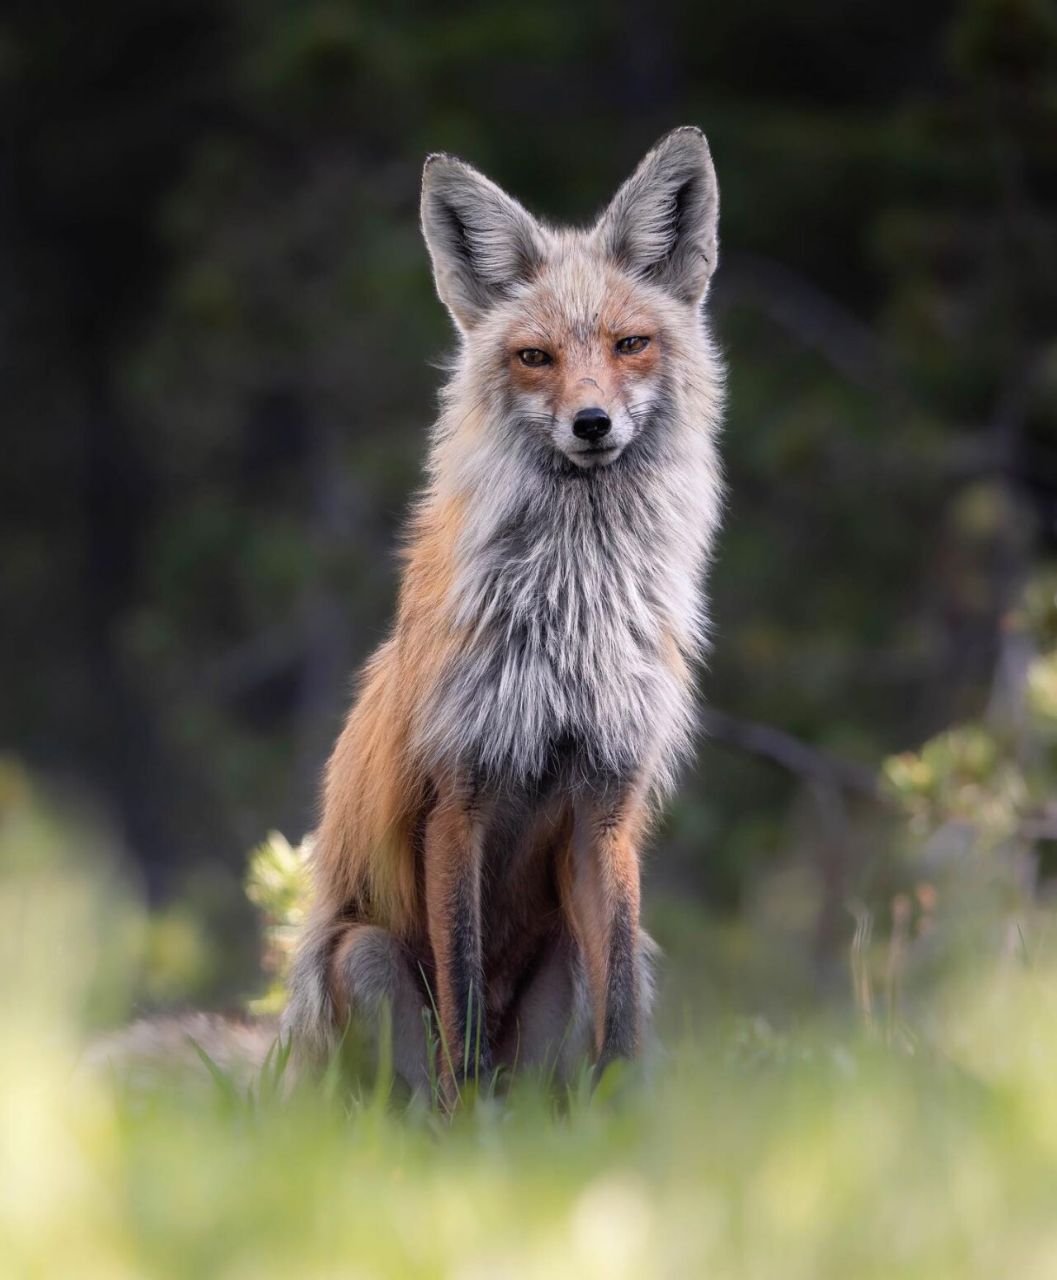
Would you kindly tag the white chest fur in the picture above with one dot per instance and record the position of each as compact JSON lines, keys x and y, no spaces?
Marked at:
{"x":572,"y":608}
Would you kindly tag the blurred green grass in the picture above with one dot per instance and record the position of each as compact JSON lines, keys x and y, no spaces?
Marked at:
{"x":924,"y":1145}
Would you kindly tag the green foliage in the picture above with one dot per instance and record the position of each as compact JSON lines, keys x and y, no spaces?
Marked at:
{"x":994,"y":776}
{"x":278,"y":885}
{"x":962,"y":775}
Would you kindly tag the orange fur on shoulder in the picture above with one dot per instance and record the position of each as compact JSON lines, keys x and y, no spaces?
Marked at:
{"x":374,"y":791}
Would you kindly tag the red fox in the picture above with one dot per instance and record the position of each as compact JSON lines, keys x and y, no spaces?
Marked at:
{"x":486,"y":803}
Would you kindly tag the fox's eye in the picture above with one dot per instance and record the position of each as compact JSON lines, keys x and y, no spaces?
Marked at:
{"x":632,"y":346}
{"x":534,"y":357}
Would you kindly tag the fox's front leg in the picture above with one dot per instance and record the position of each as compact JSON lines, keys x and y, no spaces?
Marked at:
{"x":602,"y":898}
{"x":453,"y":850}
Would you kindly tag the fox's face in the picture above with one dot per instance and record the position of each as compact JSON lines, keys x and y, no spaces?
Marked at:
{"x":584,"y":354}
{"x":575,"y":334}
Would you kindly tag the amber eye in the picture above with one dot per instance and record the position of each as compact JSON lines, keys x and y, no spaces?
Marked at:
{"x":632,"y":346}
{"x":534,"y":357}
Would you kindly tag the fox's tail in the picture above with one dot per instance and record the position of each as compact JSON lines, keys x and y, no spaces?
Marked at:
{"x":188,"y":1046}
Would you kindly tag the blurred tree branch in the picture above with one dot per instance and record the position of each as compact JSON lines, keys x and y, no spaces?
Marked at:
{"x":790,"y":752}
{"x":813,"y":318}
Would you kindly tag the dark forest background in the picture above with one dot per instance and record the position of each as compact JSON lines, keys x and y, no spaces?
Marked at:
{"x":218,"y":342}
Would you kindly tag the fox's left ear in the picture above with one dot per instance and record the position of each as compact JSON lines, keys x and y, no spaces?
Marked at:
{"x":481,"y":241}
{"x":662,"y":223}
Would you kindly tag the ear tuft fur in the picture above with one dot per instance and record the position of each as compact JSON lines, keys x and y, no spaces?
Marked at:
{"x":481,"y":241}
{"x":662,"y":223}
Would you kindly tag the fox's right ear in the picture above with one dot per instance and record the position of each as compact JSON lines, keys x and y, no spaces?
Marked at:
{"x":481,"y":241}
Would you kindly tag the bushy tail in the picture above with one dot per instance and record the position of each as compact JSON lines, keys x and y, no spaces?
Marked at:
{"x":189,"y":1046}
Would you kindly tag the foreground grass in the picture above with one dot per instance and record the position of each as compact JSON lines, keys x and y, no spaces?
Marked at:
{"x":831,"y":1153}
{"x":816,"y":1159}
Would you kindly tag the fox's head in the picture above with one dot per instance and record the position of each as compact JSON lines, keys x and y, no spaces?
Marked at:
{"x":575,"y":337}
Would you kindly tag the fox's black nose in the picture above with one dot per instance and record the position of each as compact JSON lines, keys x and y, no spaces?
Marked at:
{"x":591,"y":424}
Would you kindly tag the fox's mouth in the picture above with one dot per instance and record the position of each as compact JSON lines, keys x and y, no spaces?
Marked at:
{"x":595,"y":456}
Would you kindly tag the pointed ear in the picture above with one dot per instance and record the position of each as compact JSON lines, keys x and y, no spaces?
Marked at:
{"x":662,"y":223}
{"x":481,"y":241}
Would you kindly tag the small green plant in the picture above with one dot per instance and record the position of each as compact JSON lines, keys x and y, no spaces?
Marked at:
{"x":278,"y":884}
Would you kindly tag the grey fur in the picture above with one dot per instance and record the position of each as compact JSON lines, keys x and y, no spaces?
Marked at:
{"x":567,"y":605}
{"x":151,"y":1048}
{"x":662,"y":223}
{"x":378,"y":971}
{"x":309,"y":1020}
{"x":480,"y":240}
